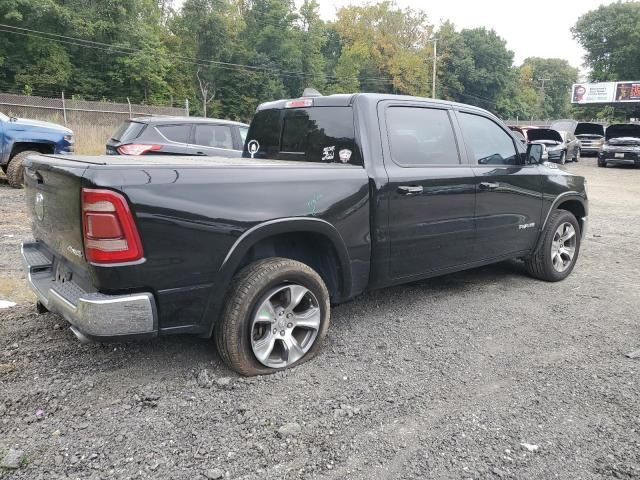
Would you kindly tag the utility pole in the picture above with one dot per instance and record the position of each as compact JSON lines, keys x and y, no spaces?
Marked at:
{"x":435,"y":58}
{"x":542,"y":80}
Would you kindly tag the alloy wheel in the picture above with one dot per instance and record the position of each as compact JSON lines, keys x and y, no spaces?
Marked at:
{"x":285,"y":325}
{"x":563,"y":247}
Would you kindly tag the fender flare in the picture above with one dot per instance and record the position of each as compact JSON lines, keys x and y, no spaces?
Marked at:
{"x":267,"y":229}
{"x":287,"y":225}
{"x":22,"y":141}
{"x":563,"y":197}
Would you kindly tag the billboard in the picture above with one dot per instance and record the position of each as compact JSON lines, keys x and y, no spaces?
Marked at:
{"x":605,"y":92}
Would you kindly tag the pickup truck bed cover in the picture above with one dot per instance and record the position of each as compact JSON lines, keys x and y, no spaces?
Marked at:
{"x":186,"y":161}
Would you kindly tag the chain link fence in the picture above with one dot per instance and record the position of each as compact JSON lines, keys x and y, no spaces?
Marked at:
{"x":93,"y":122}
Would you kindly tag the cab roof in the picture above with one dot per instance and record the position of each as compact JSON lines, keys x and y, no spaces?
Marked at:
{"x":346,"y":100}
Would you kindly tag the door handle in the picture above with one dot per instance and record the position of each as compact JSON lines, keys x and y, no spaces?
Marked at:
{"x":489,"y":186}
{"x":410,"y":189}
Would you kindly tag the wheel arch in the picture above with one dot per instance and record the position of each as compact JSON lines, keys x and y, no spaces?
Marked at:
{"x":312,"y":241}
{"x":572,"y":202}
{"x":42,"y":147}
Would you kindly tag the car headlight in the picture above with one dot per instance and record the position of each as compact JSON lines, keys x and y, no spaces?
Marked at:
{"x":69,"y":138}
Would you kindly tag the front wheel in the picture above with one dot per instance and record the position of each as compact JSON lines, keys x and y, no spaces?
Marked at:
{"x":563,"y":158}
{"x":602,"y":163}
{"x":15,"y":169}
{"x":276,"y":316}
{"x":577,"y":157}
{"x":557,"y":252}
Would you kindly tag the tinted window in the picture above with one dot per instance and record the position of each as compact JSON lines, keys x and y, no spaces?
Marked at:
{"x":175,"y":133}
{"x":421,"y":136}
{"x":128,"y":131}
{"x":486,"y":142}
{"x":216,"y":136}
{"x":315,"y":134}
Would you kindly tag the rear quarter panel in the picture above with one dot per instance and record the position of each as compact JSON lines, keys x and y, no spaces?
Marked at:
{"x":190,"y":217}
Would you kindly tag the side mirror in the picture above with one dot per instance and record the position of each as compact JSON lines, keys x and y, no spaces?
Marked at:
{"x":534,"y":153}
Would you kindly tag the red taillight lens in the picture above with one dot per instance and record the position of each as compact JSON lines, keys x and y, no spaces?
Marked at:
{"x":299,"y":103}
{"x":110,"y":233}
{"x":137,"y":149}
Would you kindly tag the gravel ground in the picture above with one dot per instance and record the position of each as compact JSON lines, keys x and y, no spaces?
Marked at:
{"x":482,"y":374}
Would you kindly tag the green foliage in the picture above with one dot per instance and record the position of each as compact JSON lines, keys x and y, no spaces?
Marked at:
{"x":611,"y":37}
{"x":227,"y":56}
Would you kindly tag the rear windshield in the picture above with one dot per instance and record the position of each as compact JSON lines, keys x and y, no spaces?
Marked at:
{"x":314,"y":134}
{"x":128,"y":131}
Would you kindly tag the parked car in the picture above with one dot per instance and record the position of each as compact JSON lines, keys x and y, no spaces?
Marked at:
{"x":178,"y":136}
{"x":334,"y":196}
{"x":558,"y":147}
{"x":521,"y":132}
{"x":622,"y":145}
{"x":591,"y":137}
{"x":20,"y":137}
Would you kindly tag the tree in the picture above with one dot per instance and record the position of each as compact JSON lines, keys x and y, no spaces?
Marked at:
{"x":383,"y":48}
{"x":611,"y":37}
{"x":554,"y":101}
{"x":490,"y":69}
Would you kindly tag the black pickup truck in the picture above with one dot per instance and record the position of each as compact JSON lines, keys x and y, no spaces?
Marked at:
{"x":333,"y":196}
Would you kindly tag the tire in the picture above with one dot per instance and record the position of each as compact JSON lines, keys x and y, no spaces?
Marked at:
{"x":602,"y":163}
{"x":563,"y":158}
{"x":15,"y":170}
{"x":541,"y":263}
{"x":246,"y":321}
{"x":577,"y":157}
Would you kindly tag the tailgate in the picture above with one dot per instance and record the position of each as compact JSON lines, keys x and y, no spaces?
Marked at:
{"x":52,"y":188}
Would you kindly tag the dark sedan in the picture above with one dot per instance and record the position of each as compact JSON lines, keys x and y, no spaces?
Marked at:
{"x":559,"y":147}
{"x":178,"y":136}
{"x":622,"y":145}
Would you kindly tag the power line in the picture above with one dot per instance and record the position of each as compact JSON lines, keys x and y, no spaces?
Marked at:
{"x":74,"y":41}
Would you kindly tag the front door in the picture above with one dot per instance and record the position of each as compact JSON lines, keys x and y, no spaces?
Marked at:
{"x":509,"y":198}
{"x":431,"y":190}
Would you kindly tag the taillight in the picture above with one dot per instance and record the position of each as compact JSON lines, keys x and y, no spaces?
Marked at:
{"x":299,"y":103}
{"x":137,"y":149}
{"x":110,"y":233}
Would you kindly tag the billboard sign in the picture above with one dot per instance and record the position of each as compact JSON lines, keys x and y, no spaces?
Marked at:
{"x":605,"y":92}
{"x":593,"y":92}
{"x":628,"y":92}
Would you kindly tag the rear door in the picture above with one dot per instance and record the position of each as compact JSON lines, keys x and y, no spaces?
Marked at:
{"x":509,"y":198}
{"x":431,"y":190}
{"x":174,"y":138}
{"x":215,"y":140}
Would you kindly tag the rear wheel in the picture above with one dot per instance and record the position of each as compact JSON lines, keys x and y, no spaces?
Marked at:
{"x":15,"y":170}
{"x":276,"y":316}
{"x":558,"y":249}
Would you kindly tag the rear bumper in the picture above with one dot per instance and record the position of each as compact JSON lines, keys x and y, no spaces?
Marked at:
{"x":93,"y":315}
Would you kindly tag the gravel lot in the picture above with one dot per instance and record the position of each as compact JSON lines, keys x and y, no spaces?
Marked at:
{"x":445,"y":378}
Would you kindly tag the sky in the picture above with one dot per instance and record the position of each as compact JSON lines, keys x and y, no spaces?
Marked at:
{"x":538,"y":28}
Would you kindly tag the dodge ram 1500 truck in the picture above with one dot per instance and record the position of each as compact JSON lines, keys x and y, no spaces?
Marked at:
{"x":333,"y":196}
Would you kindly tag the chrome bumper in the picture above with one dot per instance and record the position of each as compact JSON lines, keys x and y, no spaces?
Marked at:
{"x":92,"y":315}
